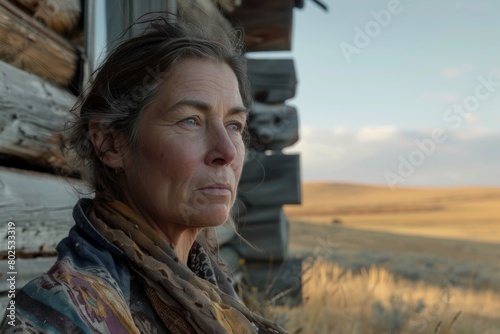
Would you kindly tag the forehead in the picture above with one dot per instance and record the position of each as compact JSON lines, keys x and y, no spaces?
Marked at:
{"x":207,"y":80}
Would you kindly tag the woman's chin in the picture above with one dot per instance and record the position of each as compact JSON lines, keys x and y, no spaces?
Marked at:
{"x":212,"y":217}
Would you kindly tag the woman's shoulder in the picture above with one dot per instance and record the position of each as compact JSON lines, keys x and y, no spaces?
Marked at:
{"x":69,"y":299}
{"x":86,"y":291}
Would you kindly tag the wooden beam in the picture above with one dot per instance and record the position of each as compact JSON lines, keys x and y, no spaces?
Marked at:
{"x":32,"y":117}
{"x":270,"y":180}
{"x":273,"y":80}
{"x":267,"y":230}
{"x":204,"y":11}
{"x":61,"y":16}
{"x":41,"y":207}
{"x":29,"y":45}
{"x":272,"y":127}
{"x":267,"y":24}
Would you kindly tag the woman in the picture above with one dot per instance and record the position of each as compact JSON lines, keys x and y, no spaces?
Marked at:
{"x":160,"y":133}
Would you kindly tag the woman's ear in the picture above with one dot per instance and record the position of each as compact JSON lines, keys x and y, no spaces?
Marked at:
{"x":107,"y":145}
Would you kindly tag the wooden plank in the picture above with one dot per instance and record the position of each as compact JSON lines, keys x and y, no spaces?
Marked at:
{"x":267,"y":24}
{"x":26,"y":270}
{"x":275,"y":282}
{"x":272,"y":127}
{"x":29,"y":45}
{"x":32,"y":117}
{"x":270,"y":180}
{"x":204,"y":11}
{"x":267,"y":230}
{"x":4,"y":301}
{"x":272,"y":80}
{"x":62,"y":16}
{"x":41,"y":207}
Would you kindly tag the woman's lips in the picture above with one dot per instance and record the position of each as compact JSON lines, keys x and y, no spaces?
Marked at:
{"x":217,"y":189}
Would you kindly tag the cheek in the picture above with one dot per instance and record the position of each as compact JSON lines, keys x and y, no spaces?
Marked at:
{"x":239,"y":160}
{"x":177,"y":162}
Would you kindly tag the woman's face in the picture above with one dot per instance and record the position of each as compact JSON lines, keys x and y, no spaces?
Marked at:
{"x":190,"y":152}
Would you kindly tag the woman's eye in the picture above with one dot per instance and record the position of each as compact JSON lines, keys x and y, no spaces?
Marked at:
{"x":236,"y":127}
{"x":190,"y":121}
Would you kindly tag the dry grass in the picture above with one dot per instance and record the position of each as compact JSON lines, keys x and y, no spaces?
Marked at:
{"x":403,"y":261}
{"x":375,"y":301}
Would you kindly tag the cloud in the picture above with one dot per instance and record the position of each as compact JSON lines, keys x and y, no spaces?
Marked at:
{"x":477,"y":133}
{"x":468,"y":156}
{"x":455,"y":72}
{"x":374,"y":133}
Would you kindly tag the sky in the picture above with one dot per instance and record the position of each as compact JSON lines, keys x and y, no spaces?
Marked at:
{"x":398,"y":93}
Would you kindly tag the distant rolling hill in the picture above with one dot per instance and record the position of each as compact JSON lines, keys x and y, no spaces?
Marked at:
{"x":454,"y":213}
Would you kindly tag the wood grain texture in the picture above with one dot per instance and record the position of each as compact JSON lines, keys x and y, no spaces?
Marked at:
{"x":41,"y":207}
{"x":270,"y":180}
{"x":267,"y":230}
{"x":272,"y":80}
{"x":267,"y":24}
{"x":272,"y":127}
{"x":32,"y":117}
{"x":29,"y":45}
{"x":205,"y":12}
{"x":61,"y":16}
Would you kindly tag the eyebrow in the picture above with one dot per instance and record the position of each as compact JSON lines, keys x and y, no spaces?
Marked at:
{"x":205,"y":107}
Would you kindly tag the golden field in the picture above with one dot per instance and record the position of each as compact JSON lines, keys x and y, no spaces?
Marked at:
{"x":412,"y":260}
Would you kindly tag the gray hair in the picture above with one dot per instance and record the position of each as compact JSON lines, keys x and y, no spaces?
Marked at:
{"x":128,"y":80}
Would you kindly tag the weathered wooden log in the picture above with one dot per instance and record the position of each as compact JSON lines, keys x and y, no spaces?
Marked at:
{"x":29,"y":45}
{"x":267,"y":24}
{"x":204,"y":11}
{"x":272,"y":80}
{"x":61,"y":16}
{"x":32,"y":117}
{"x":40,"y":205}
{"x":276,"y":283}
{"x":26,"y":270}
{"x":270,"y":180}
{"x":267,"y":230}
{"x":272,"y":127}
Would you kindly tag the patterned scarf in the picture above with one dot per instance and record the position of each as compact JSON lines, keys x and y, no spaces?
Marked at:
{"x":184,"y":302}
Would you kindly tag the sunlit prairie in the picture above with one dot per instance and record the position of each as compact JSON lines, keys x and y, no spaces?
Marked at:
{"x":451,"y":213}
{"x":412,"y":260}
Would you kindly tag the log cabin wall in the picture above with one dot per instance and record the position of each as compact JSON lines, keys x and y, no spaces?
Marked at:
{"x":42,"y":57}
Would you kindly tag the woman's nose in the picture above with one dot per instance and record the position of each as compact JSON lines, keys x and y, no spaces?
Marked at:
{"x":221,"y":148}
